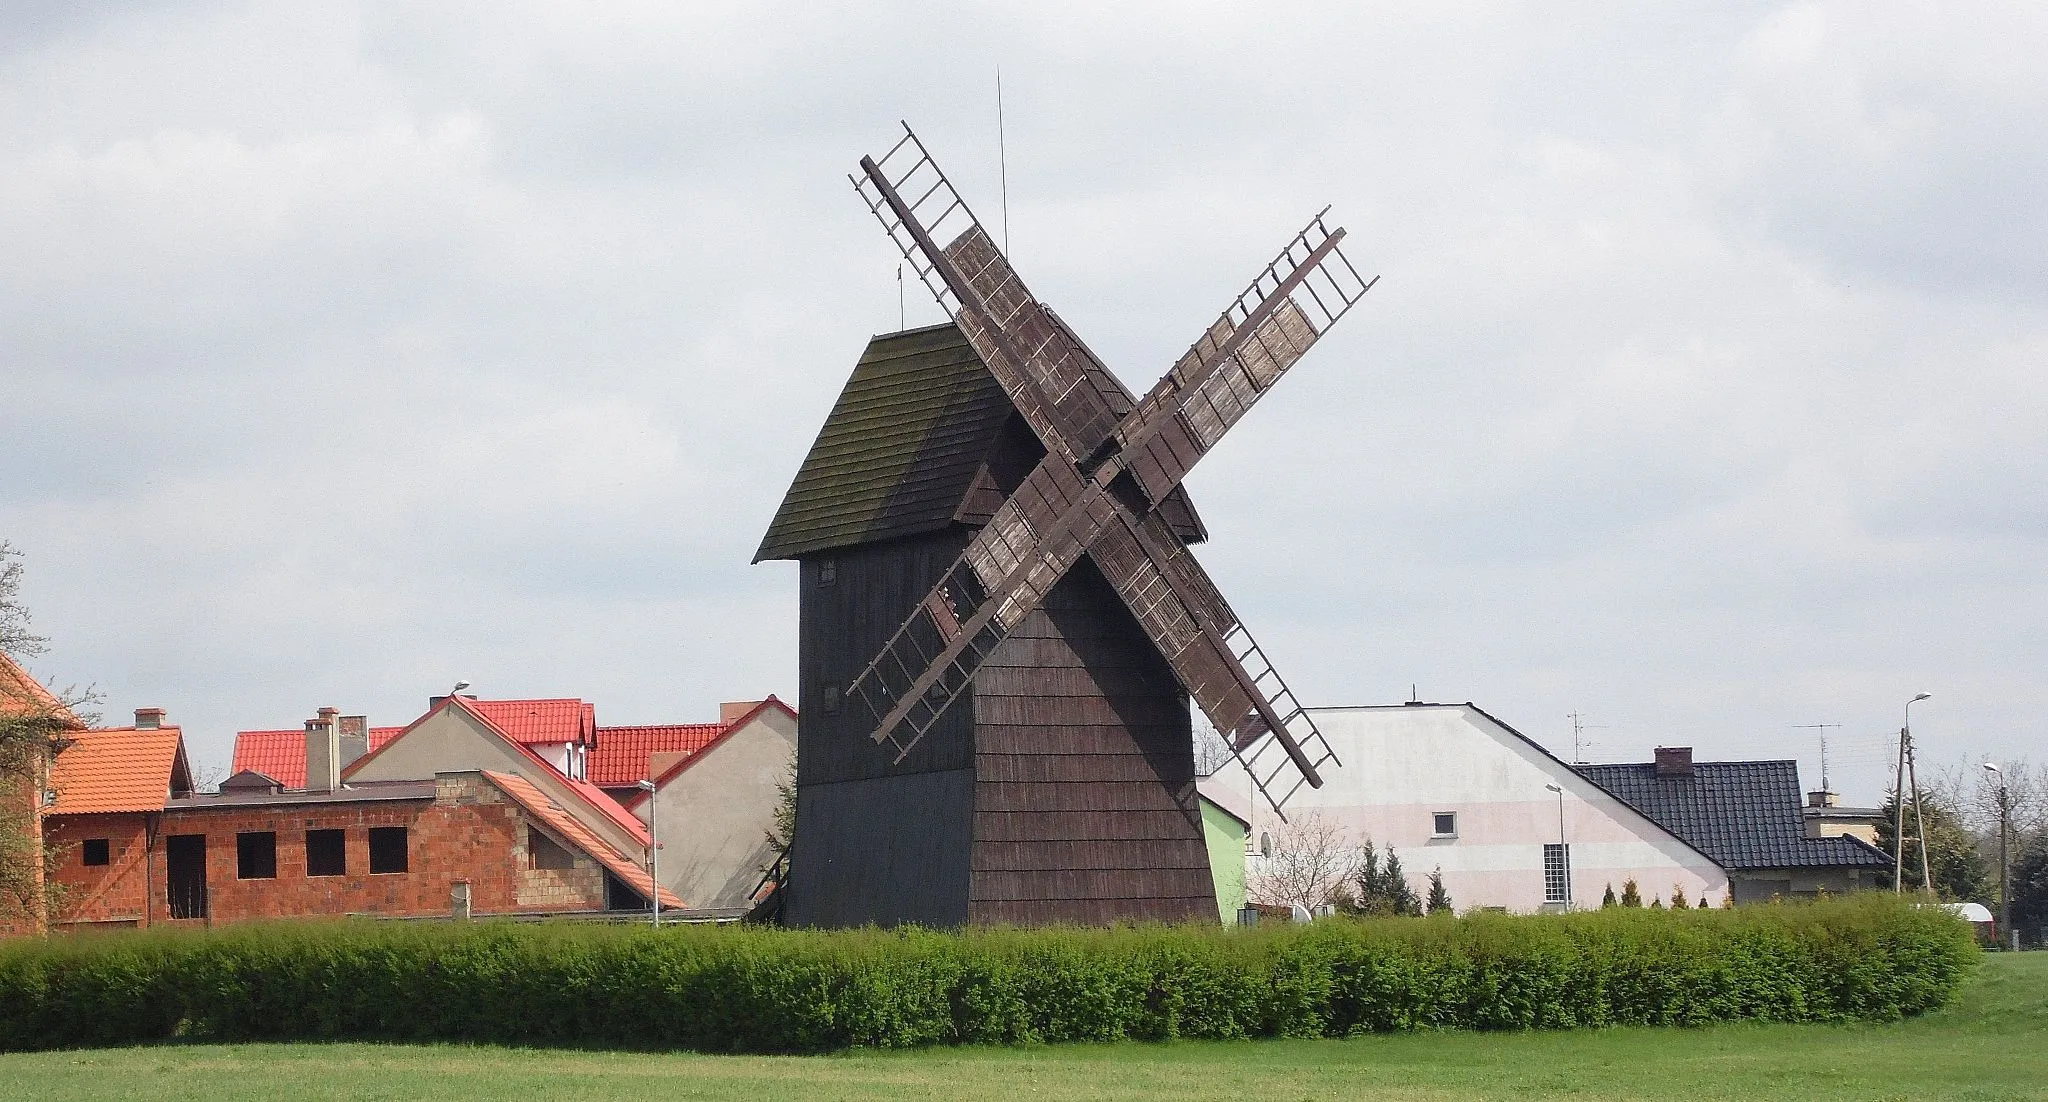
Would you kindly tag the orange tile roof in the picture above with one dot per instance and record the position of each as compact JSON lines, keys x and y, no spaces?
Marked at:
{"x":529,"y":721}
{"x":281,"y":755}
{"x":21,"y":693}
{"x":621,"y":754}
{"x":119,"y":769}
{"x":570,"y":830}
{"x":590,"y":794}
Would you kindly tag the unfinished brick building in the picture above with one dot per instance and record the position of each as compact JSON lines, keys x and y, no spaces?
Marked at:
{"x":134,"y":846}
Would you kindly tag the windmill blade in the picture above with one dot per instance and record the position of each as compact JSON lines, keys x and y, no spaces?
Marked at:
{"x":1039,"y":366}
{"x":1008,"y":567}
{"x":1214,"y":656}
{"x":1287,"y":307}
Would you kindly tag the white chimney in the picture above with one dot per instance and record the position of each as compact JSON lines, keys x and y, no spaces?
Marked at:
{"x":323,"y":752}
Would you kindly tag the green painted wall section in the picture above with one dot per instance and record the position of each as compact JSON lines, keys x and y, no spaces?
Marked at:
{"x":1226,"y":837}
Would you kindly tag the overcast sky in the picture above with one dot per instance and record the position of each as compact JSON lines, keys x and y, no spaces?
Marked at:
{"x":350,"y":349}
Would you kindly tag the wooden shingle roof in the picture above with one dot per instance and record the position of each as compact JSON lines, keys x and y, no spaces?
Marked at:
{"x":910,"y":447}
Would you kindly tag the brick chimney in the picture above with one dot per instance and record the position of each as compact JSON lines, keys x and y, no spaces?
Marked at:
{"x":1674,"y":761}
{"x":733,"y":709}
{"x":354,"y":735}
{"x":148,"y":719}
{"x":323,"y":752}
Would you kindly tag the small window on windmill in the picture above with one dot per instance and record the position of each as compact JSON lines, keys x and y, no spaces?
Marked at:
{"x":828,"y":572}
{"x":830,"y":695}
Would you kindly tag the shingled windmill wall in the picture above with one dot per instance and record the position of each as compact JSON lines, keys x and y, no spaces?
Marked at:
{"x":1060,"y":788}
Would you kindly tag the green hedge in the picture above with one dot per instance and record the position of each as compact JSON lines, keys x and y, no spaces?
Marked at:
{"x":752,"y":990}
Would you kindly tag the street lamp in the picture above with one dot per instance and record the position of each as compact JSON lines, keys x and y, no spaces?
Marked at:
{"x":1564,"y":852}
{"x":2004,"y":866}
{"x":1899,"y":809}
{"x":653,"y":851}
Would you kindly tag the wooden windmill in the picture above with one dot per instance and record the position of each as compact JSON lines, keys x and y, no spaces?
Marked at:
{"x":997,"y":590}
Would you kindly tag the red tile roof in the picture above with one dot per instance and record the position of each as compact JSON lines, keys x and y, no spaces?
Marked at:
{"x":21,"y":694}
{"x":621,"y":754}
{"x":281,"y":755}
{"x":591,"y":794}
{"x":670,"y":768}
{"x":119,"y":769}
{"x":530,"y":721}
{"x":570,"y":830}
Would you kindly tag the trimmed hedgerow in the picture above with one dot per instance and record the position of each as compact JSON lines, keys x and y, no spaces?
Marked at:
{"x":738,"y":989}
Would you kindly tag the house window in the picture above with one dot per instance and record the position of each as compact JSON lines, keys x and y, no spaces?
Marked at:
{"x":387,"y":849}
{"x":543,"y":852}
{"x":256,"y":855}
{"x":1557,"y":873}
{"x":1446,"y":824}
{"x":326,"y":853}
{"x":97,"y":851}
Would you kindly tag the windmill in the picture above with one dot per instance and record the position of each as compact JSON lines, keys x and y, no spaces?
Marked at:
{"x":991,"y":490}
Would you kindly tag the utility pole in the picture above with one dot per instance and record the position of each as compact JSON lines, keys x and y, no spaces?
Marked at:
{"x":1905,"y":772}
{"x":2004,"y":864}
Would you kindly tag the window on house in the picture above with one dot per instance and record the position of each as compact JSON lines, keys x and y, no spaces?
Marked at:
{"x":97,"y":851}
{"x":1446,"y":824}
{"x":326,"y":853}
{"x":388,"y":849}
{"x":543,"y":852}
{"x":256,"y":855}
{"x":1557,"y":873}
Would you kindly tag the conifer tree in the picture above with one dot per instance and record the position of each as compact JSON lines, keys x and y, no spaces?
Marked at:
{"x":1678,"y":900}
{"x":1439,"y":899}
{"x":1703,"y":901}
{"x":1608,"y":900}
{"x":1631,"y":896}
{"x":1657,"y":903}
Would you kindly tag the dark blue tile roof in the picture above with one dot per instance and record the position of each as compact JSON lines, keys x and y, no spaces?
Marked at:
{"x":1742,"y":814}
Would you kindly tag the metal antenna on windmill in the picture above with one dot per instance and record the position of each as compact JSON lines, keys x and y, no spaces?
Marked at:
{"x":1003,"y":159}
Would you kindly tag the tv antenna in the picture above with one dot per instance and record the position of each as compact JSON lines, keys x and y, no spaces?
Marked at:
{"x":1579,"y":741}
{"x":1823,"y":729}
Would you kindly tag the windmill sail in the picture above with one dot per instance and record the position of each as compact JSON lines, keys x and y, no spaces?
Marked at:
{"x":1103,"y":475}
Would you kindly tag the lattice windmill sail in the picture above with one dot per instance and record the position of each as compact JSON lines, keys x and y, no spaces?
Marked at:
{"x":1109,"y":466}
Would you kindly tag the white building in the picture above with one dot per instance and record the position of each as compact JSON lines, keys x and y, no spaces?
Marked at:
{"x":1451,"y":788}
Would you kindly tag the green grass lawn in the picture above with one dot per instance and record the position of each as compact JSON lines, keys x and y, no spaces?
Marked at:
{"x":1991,"y":1044}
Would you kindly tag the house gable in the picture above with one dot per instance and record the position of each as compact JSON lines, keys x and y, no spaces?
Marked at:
{"x":718,"y":805}
{"x":454,"y":738}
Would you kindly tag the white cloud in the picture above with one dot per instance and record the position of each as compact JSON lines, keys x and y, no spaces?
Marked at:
{"x":353,"y":348}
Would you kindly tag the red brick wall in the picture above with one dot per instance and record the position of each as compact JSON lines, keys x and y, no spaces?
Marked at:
{"x":469,"y":832}
{"x":114,"y":892}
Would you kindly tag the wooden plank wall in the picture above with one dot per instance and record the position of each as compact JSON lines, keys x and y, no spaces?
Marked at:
{"x":875,"y":841}
{"x":1084,"y":795}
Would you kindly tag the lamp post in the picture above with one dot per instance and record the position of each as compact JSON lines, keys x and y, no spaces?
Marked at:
{"x":2004,"y":866}
{"x":653,"y":851}
{"x":1564,"y":852}
{"x":1899,"y":808}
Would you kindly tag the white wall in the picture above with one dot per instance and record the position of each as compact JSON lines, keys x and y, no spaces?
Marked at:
{"x":717,"y":811}
{"x":1402,"y":764}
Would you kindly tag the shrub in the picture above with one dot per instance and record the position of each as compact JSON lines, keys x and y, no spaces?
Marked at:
{"x":736,"y":989}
